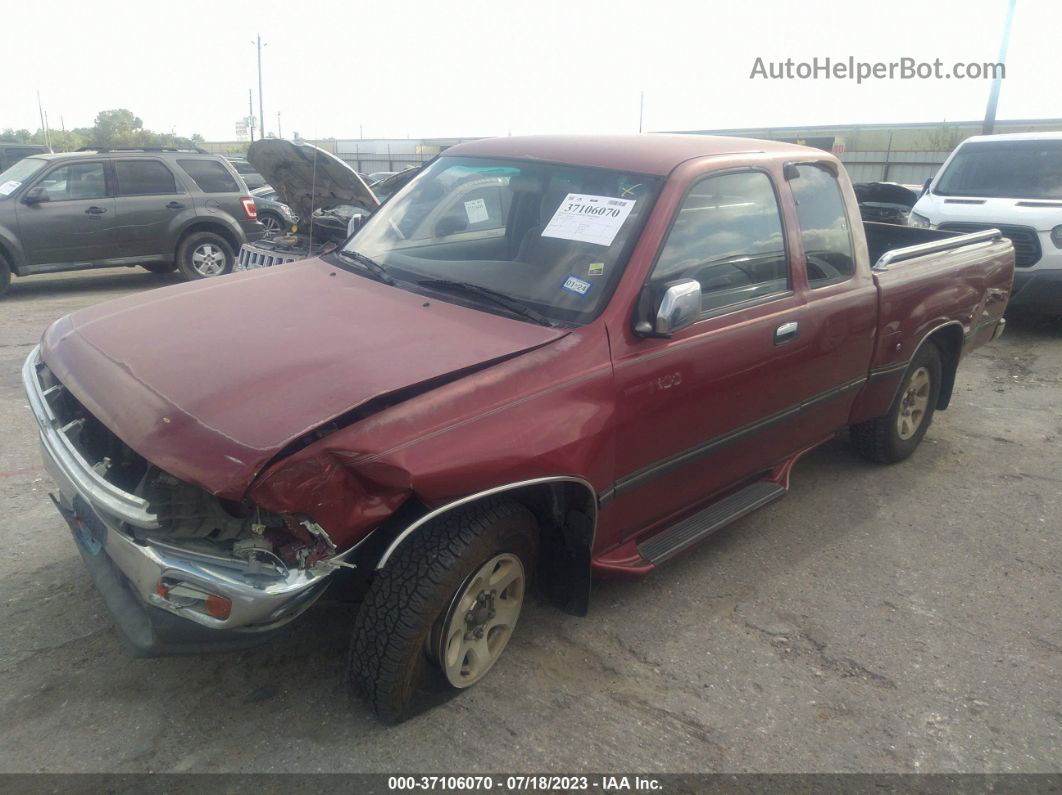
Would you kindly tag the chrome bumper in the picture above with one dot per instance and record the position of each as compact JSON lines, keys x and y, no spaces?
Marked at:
{"x":96,"y":511}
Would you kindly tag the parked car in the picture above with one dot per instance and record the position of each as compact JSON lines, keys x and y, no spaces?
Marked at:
{"x":885,"y":202}
{"x":250,"y":175}
{"x":11,"y":153}
{"x":1012,"y":183}
{"x":274,"y":216}
{"x":385,"y":188}
{"x":159,"y":209}
{"x":380,"y":176}
{"x":606,"y":351}
{"x":322,"y":191}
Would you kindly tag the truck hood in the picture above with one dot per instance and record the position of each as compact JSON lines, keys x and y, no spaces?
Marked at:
{"x":211,"y":380}
{"x":308,"y":178}
{"x":1042,"y":215}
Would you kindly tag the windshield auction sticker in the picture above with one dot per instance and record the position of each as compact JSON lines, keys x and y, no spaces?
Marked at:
{"x":9,"y":187}
{"x":476,"y":210}
{"x":590,"y":219}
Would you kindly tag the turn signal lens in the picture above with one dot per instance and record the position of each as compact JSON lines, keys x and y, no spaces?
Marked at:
{"x":218,"y":606}
{"x":183,"y":596}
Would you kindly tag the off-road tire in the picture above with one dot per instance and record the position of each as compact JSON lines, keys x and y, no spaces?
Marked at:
{"x":188,"y":246}
{"x":879,"y":439}
{"x":390,"y":651}
{"x":159,"y":268}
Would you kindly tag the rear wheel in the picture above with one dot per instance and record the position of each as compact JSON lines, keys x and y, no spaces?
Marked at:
{"x":444,"y":607}
{"x":895,"y":436}
{"x":202,"y":255}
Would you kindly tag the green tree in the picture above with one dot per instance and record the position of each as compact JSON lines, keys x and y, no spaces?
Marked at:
{"x":113,"y":129}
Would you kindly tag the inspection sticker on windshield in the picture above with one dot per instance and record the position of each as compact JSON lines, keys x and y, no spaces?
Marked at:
{"x":476,"y":210}
{"x":9,"y":187}
{"x":591,"y":219}
{"x":574,"y":284}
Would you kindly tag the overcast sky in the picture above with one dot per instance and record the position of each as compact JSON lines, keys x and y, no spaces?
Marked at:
{"x":447,"y":68}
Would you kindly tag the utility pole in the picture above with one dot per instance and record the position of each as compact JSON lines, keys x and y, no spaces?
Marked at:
{"x":44,"y":121}
{"x":280,"y":134}
{"x":261,"y":106}
{"x":250,"y":113}
{"x":641,"y":109}
{"x":993,"y":97}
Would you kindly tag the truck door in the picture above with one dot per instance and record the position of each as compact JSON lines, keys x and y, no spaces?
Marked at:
{"x":728,"y":397}
{"x":74,"y":224}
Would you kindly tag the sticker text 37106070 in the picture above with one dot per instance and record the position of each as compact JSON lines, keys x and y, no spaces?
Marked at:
{"x":590,"y":219}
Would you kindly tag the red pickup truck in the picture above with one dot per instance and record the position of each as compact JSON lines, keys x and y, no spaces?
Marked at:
{"x":549,"y":357}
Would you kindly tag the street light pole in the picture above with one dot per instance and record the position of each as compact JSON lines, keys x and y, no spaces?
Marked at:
{"x":261,"y":105}
{"x":993,"y":96}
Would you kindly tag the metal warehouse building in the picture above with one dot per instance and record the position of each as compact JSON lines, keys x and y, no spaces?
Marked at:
{"x":906,"y":153}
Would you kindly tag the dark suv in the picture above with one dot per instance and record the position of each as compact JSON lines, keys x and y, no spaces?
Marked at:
{"x":161,"y":209}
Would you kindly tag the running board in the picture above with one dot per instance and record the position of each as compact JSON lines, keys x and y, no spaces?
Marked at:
{"x":716,"y":516}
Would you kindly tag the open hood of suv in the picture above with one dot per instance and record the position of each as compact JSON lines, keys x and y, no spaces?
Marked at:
{"x":210,"y":380}
{"x":308,"y":178}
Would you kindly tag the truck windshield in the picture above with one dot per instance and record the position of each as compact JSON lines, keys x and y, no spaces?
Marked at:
{"x":11,"y":179}
{"x":552,"y":239}
{"x":1005,"y":169}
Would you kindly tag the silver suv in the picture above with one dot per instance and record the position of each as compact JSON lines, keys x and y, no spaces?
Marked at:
{"x":160,"y":208}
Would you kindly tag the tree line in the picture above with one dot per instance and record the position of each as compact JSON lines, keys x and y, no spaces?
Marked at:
{"x":112,"y":129}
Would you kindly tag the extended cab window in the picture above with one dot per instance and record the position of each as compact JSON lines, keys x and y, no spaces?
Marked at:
{"x":823,"y":226}
{"x":75,"y":181}
{"x":210,"y":176}
{"x":144,"y":178}
{"x":728,"y":236}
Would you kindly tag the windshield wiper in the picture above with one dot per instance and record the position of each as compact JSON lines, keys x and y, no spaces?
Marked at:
{"x":495,"y":297}
{"x":371,"y":265}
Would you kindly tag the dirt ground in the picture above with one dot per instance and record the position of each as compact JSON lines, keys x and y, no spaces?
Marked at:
{"x":900,"y":618}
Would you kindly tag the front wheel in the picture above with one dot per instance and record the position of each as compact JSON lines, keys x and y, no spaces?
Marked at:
{"x":271,"y":223}
{"x":444,"y":606}
{"x":895,"y":436}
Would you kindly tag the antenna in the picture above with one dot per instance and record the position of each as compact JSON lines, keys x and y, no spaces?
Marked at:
{"x":313,"y":199}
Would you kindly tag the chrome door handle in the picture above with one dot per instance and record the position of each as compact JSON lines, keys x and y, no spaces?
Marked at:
{"x":786,"y":332}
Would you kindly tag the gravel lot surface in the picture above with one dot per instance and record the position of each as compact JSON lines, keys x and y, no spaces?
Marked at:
{"x":900,"y":618}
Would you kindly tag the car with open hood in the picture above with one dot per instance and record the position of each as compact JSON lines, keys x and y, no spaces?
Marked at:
{"x":543,"y":359}
{"x":321,"y":192}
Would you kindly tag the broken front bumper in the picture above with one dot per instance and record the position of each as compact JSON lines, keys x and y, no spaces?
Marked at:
{"x":129,"y":572}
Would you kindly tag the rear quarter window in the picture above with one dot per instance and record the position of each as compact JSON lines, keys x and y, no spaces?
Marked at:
{"x":210,"y":175}
{"x":144,"y":178}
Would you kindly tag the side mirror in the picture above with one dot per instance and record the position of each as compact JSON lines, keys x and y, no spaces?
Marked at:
{"x":679,"y":306}
{"x":355,"y":223}
{"x":36,"y":196}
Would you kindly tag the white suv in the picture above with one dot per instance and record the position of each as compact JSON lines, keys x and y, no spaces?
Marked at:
{"x":1013,"y":183}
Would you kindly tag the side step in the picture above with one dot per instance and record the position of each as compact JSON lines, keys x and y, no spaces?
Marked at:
{"x":716,"y":516}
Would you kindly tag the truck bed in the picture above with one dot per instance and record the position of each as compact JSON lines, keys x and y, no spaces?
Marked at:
{"x":929,"y":280}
